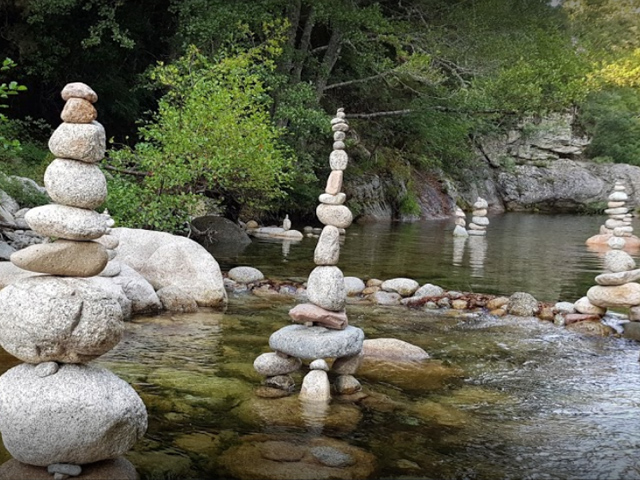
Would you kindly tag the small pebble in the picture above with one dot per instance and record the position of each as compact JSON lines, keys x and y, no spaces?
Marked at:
{"x":65,"y":469}
{"x":45,"y":369}
{"x":319,"y":364}
{"x":332,"y":457}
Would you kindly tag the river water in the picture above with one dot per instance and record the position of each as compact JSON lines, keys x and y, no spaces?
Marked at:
{"x":501,"y":398}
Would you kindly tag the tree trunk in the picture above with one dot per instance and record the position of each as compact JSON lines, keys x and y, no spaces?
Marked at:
{"x":329,"y":61}
{"x":303,"y":48}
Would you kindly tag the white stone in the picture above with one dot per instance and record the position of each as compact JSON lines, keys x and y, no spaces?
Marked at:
{"x":616,"y":243}
{"x":327,"y":199}
{"x":616,"y":211}
{"x":336,"y":215}
{"x":564,"y":307}
{"x":476,"y":233}
{"x":271,"y":364}
{"x":480,"y":204}
{"x":137,"y":289}
{"x":619,"y":278}
{"x":67,"y":320}
{"x":615,"y":204}
{"x":245,"y":274}
{"x":583,"y":305}
{"x":339,"y":136}
{"x":627,"y":295}
{"x":460,"y":231}
{"x":85,"y":142}
{"x":480,"y":213}
{"x":481,"y":221}
{"x":319,"y":364}
{"x":82,"y":414}
{"x":339,"y":145}
{"x":340,"y":127}
{"x":612,"y":223}
{"x":618,"y":261}
{"x":621,"y":231}
{"x":354,"y":286}
{"x":392,"y":348}
{"x":429,"y":290}
{"x":460,"y":221}
{"x":327,"y":250}
{"x":618,"y":197}
{"x":473,"y":226}
{"x":403,"y":286}
{"x":79,"y":90}
{"x":311,"y":343}
{"x":325,"y":288}
{"x":66,"y":222}
{"x":315,"y":387}
{"x":619,"y":187}
{"x":338,"y":160}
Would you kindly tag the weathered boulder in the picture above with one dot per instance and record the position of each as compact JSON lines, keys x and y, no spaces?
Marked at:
{"x":66,"y":258}
{"x":317,"y":342}
{"x":220,"y":235}
{"x":164,"y":259}
{"x":81,"y":414}
{"x":174,"y":299}
{"x":75,"y":184}
{"x":325,"y":288}
{"x":67,"y":320}
{"x":138,"y":290}
{"x":616,"y":261}
{"x":79,"y":90}
{"x":337,"y":215}
{"x":78,"y":110}
{"x":428,"y":290}
{"x":583,"y":305}
{"x":522,"y":304}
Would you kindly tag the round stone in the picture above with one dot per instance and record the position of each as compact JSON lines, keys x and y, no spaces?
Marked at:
{"x":619,"y":278}
{"x":616,"y":243}
{"x":618,"y":261}
{"x":479,"y":213}
{"x":325,"y":288}
{"x":337,"y":199}
{"x":339,"y":136}
{"x":70,"y":223}
{"x":482,"y":221}
{"x":340,"y":127}
{"x":327,"y":250}
{"x":78,"y":110}
{"x":75,"y":184}
{"x":85,"y":142}
{"x":347,"y":385}
{"x":271,"y":364}
{"x":319,"y":364}
{"x":79,"y":90}
{"x":618,"y":197}
{"x":68,"y":320}
{"x":338,"y":160}
{"x":245,"y":274}
{"x":627,"y":295}
{"x":403,"y":286}
{"x":583,"y":305}
{"x":339,"y":145}
{"x":336,"y":215}
{"x":621,"y":231}
{"x":86,"y":415}
{"x":317,"y":342}
{"x":354,"y":286}
{"x":315,"y":387}
{"x":480,"y":204}
{"x":64,"y":257}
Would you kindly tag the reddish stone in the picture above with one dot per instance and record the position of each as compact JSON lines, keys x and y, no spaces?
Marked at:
{"x":308,"y":312}
{"x":570,"y":318}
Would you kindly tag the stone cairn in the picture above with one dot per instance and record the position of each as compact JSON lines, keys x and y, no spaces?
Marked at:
{"x":479,"y":221}
{"x":461,"y":223}
{"x":323,"y":331}
{"x":58,"y":410}
{"x":619,"y":222}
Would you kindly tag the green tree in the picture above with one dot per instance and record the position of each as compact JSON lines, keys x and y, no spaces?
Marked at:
{"x":7,"y":90}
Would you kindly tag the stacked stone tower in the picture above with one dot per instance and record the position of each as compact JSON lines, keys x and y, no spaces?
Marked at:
{"x":461,"y":223}
{"x":479,"y":222}
{"x":324,"y":331}
{"x":619,"y":217}
{"x":58,"y":410}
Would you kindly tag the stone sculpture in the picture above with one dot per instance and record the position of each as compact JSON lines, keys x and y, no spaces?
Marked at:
{"x":479,"y":221}
{"x":58,"y":411}
{"x":323,"y":330}
{"x":619,"y":221}
{"x":461,"y":223}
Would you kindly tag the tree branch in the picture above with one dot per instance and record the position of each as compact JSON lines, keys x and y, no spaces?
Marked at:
{"x":380,"y":114}
{"x":127,"y":172}
{"x":358,"y":80}
{"x":305,"y":41}
{"x":329,"y":61}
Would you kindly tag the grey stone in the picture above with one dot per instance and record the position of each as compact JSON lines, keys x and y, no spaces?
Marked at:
{"x":339,"y":136}
{"x":385,"y":298}
{"x":347,"y":385}
{"x":317,"y":342}
{"x":522,"y":304}
{"x":174,"y":299}
{"x":327,"y":250}
{"x":332,"y":457}
{"x":85,"y":142}
{"x":79,"y":90}
{"x":271,"y":364}
{"x":480,"y":204}
{"x":338,"y":160}
{"x":339,"y":145}
{"x":67,"y":320}
{"x":112,"y":269}
{"x":135,"y":288}
{"x":325,"y":288}
{"x":481,"y":221}
{"x":9,"y":204}
{"x":164,"y":259}
{"x":612,"y":223}
{"x":75,"y":184}
{"x":429,"y":290}
{"x":65,"y":469}
{"x":564,"y":307}
{"x":319,"y":364}
{"x":337,"y":199}
{"x":6,"y":216}
{"x":337,"y":215}
{"x":347,"y":365}
{"x":281,"y":382}
{"x":619,"y":278}
{"x":616,"y":243}
{"x":46,"y":369}
{"x":114,"y":291}
{"x":337,"y":120}
{"x":64,"y":257}
{"x":245,"y":274}
{"x":66,"y":222}
{"x":479,"y":213}
{"x":108,"y":241}
{"x":618,"y":261}
{"x":404,"y":286}
{"x":83,"y":414}
{"x":460,"y":231}
{"x":394,"y":349}
{"x":6,"y":251}
{"x":315,"y":387}
{"x":616,"y":211}
{"x":354,"y":286}
{"x":618,"y":197}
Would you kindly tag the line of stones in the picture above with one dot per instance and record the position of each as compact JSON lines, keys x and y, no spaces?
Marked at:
{"x":323,"y":330}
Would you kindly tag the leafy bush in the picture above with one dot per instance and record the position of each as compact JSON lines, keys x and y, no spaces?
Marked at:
{"x":22,"y":192}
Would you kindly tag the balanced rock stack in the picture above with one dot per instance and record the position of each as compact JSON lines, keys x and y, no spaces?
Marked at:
{"x":324,"y":331}
{"x":461,"y":223}
{"x":619,"y":223}
{"x":479,"y":221}
{"x":58,"y":411}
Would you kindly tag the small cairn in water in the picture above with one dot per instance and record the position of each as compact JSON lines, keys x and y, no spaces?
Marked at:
{"x":619,"y":223}
{"x":479,"y":221}
{"x":461,"y":223}
{"x":286,"y":223}
{"x":59,"y":411}
{"x":323,"y":330}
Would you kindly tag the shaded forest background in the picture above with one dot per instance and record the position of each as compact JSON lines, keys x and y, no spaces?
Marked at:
{"x":225,"y":104}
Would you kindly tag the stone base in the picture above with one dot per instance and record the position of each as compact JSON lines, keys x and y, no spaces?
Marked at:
{"x":118,"y":469}
{"x":598,"y":243}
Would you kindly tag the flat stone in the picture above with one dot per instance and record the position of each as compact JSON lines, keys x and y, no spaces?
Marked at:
{"x":339,"y":136}
{"x":65,"y":469}
{"x":612,"y":223}
{"x":619,"y":278}
{"x":86,"y":415}
{"x":615,"y":204}
{"x":564,"y":307}
{"x":327,"y":250}
{"x":336,"y":215}
{"x":325,"y":288}
{"x":108,"y":241}
{"x":621,"y":231}
{"x":317,"y":342}
{"x":392,"y":348}
{"x":618,"y":261}
{"x":354,"y":286}
{"x":87,"y":322}
{"x":347,"y":385}
{"x":308,"y":312}
{"x":347,"y":365}
{"x":271,"y":364}
{"x":618,"y":197}
{"x":78,"y":110}
{"x":385,"y":298}
{"x":337,"y":199}
{"x":334,"y":182}
{"x":338,"y":160}
{"x":339,"y":145}
{"x":616,"y":211}
{"x":315,"y":387}
{"x":340,"y":127}
{"x":403,"y":286}
{"x":627,"y":295}
{"x":75,"y":184}
{"x":319,"y":364}
{"x":79,"y":90}
{"x":473,"y":232}
{"x":634,"y":314}
{"x":85,"y":142}
{"x":63,"y":257}
{"x":337,"y":120}
{"x":66,"y":222}
{"x":481,"y":221}
{"x":479,"y":213}
{"x":480,"y":204}
{"x":583,"y":305}
{"x":245,"y":274}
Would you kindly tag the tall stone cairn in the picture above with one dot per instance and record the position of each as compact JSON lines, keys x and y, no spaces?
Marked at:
{"x":323,"y":330}
{"x":58,"y":411}
{"x":619,"y":222}
{"x":461,"y":223}
{"x":479,"y":221}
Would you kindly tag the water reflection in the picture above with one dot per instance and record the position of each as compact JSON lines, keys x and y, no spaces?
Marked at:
{"x":477,"y":255}
{"x":458,"y":250}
